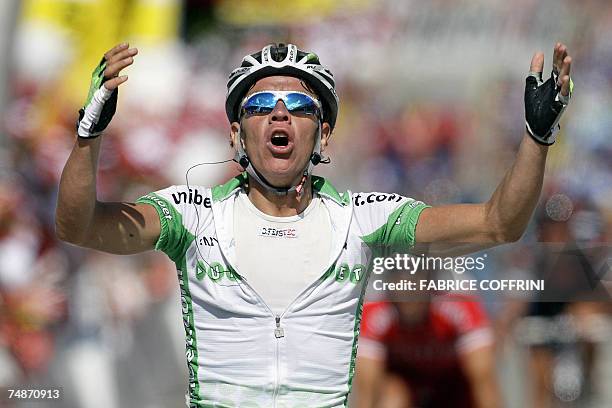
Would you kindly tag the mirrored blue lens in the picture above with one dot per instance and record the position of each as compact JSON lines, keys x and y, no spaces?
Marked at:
{"x":300,"y":103}
{"x":260,"y":103}
{"x":266,"y":101}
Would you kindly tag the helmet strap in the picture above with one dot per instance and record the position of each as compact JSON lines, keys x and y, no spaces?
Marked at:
{"x":242,"y":158}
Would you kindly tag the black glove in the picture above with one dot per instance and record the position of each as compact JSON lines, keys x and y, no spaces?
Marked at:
{"x":544,"y":106}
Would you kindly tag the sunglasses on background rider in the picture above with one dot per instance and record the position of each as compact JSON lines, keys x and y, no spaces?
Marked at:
{"x":296,"y":103}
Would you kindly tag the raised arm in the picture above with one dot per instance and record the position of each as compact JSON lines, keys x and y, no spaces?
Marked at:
{"x":505,"y":216}
{"x":120,"y":228}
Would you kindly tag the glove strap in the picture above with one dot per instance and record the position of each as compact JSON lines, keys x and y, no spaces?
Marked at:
{"x":90,"y":115}
{"x":99,"y":107}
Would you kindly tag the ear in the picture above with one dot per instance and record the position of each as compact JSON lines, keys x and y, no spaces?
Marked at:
{"x":234,"y":134}
{"x":326,"y":131}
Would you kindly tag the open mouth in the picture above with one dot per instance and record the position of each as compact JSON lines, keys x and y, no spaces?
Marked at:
{"x":279,"y":139}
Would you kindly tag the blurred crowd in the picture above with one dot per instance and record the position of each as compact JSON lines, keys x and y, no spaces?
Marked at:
{"x":431,"y":107}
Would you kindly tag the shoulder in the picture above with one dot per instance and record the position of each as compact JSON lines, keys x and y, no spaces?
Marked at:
{"x":195,"y":195}
{"x":183,"y":211}
{"x":388,"y":218}
{"x":381,"y":205}
{"x":464,"y":313}
{"x":373,"y":198}
{"x":377,"y":320}
{"x":180,"y":196}
{"x":190,"y":195}
{"x":180,"y":206}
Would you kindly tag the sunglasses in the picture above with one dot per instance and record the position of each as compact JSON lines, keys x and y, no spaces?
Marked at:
{"x":295,"y":102}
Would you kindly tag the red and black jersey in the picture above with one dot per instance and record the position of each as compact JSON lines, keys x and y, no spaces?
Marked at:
{"x":427,"y":353}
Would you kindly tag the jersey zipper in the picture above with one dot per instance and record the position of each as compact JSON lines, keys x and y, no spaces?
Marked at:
{"x":279,"y":332}
{"x":334,"y":259}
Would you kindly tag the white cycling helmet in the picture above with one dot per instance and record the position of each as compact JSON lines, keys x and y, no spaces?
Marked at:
{"x":282,"y":59}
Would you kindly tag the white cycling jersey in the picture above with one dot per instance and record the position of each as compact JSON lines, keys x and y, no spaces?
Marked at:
{"x":239,"y":353}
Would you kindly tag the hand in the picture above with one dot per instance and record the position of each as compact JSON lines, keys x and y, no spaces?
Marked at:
{"x":545,"y":102}
{"x":101,"y":102}
{"x":117,"y":59}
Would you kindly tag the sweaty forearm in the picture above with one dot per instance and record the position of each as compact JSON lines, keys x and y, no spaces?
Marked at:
{"x":77,"y":197}
{"x":512,"y":204}
{"x":514,"y":200}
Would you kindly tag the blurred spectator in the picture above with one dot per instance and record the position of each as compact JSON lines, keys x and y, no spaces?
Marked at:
{"x":565,"y":325}
{"x":426,"y":353}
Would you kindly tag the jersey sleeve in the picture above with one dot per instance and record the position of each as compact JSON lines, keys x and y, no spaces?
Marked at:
{"x":177,"y":216}
{"x":387,"y":220}
{"x":376,"y":321}
{"x":469,"y":320}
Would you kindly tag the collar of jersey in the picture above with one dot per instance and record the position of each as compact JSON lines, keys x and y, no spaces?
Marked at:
{"x":253,"y":210}
{"x":319,"y":185}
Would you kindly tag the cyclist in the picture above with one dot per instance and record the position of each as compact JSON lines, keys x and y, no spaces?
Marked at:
{"x":271,"y":263}
{"x":411,"y":348}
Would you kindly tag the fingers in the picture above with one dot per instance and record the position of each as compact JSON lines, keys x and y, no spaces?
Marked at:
{"x":566,"y":67}
{"x":565,"y":85}
{"x":118,"y":58}
{"x":129,"y":52}
{"x":537,"y":62}
{"x":113,"y":69}
{"x":562,"y":66}
{"x":113,"y":83}
{"x":116,"y":49}
{"x":559,"y":55}
{"x":565,"y":76}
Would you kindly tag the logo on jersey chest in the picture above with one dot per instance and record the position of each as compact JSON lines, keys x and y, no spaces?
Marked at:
{"x":278,"y":232}
{"x":194,"y":197}
{"x":208,"y":241}
{"x":345,"y":273}
{"x":372,"y":198}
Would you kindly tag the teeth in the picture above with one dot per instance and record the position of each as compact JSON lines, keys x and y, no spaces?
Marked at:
{"x":280,"y":139}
